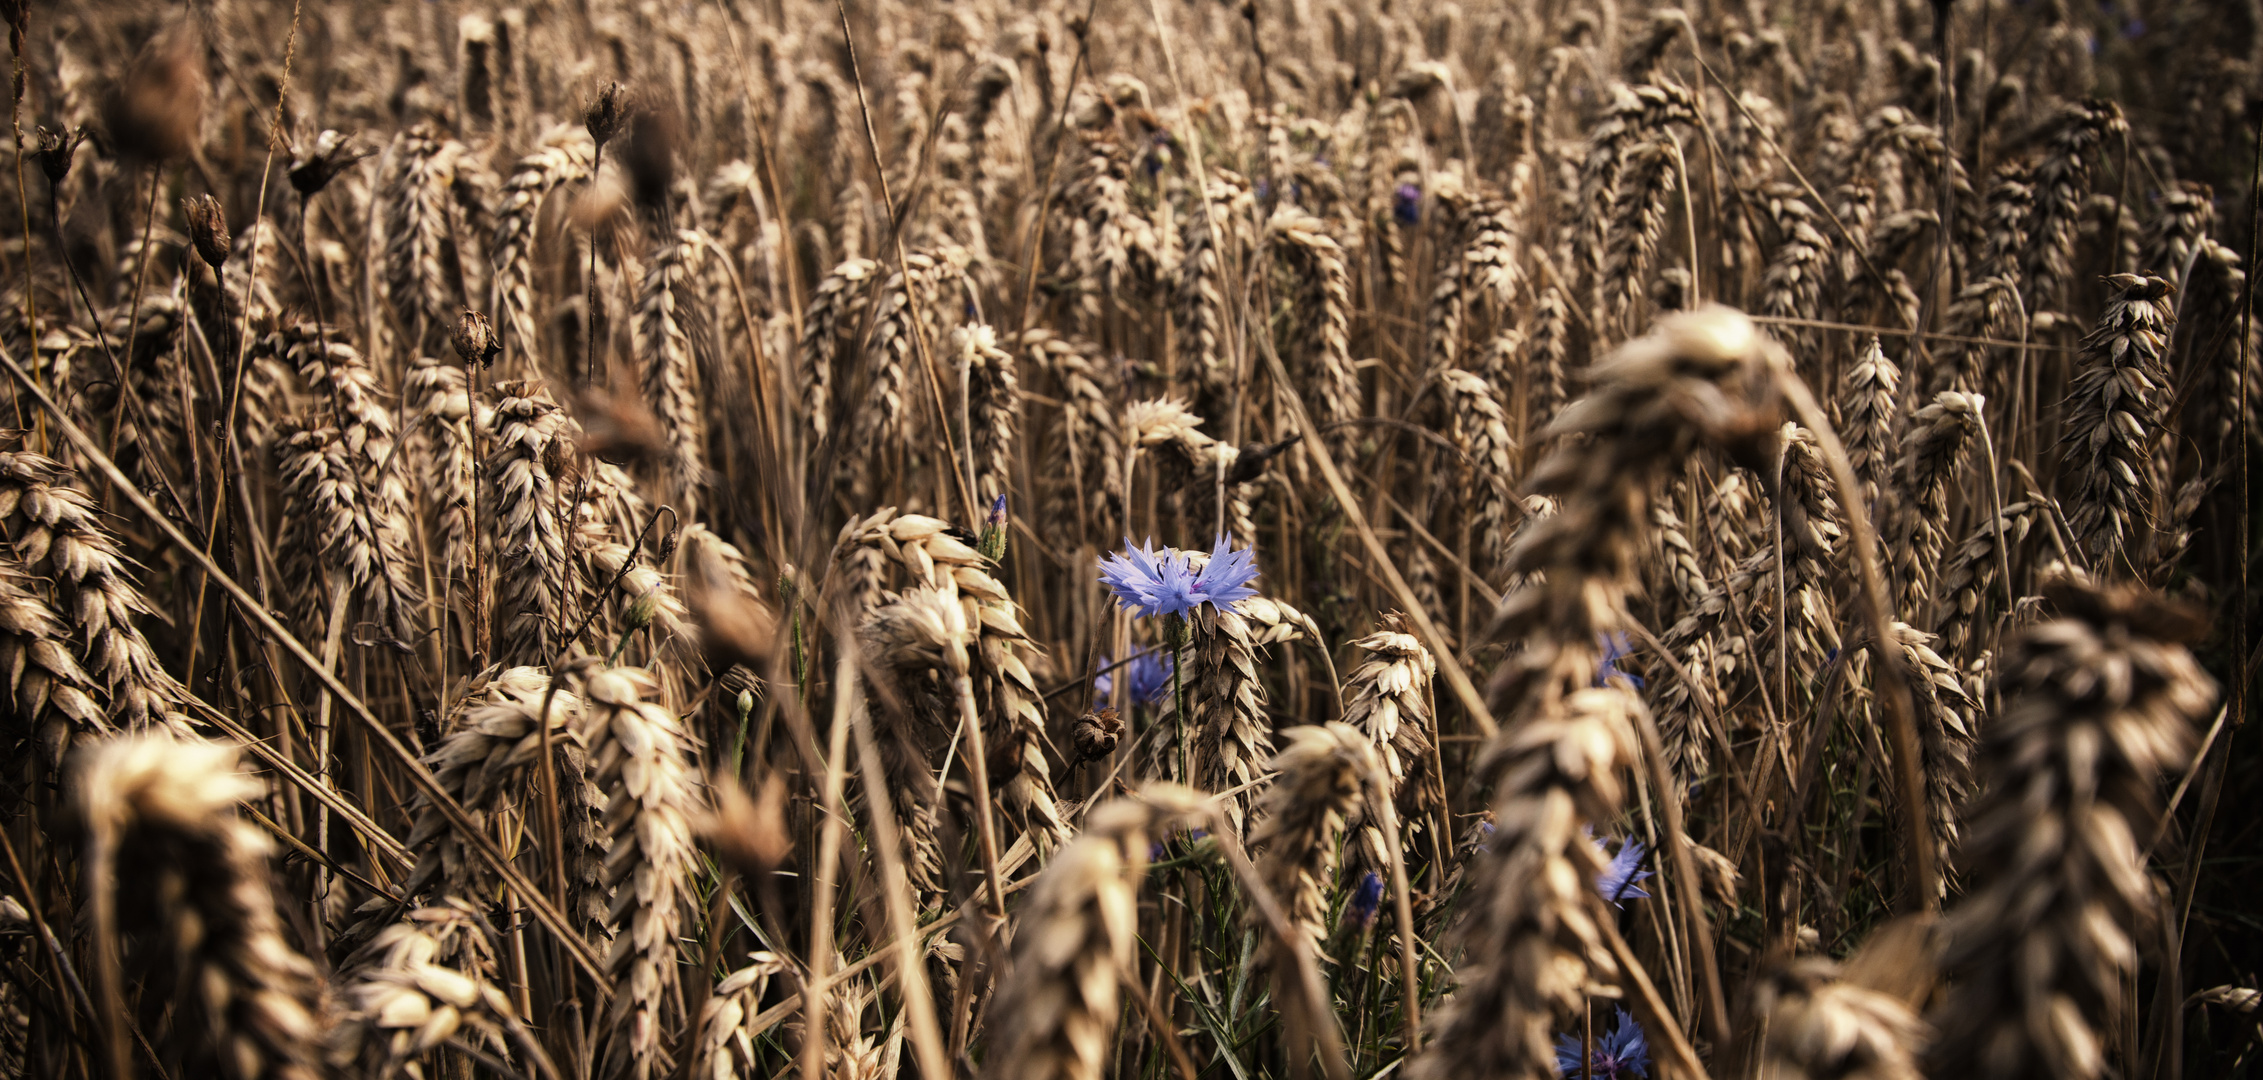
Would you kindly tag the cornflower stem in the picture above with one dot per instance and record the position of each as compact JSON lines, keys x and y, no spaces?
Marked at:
{"x":1175,"y":632}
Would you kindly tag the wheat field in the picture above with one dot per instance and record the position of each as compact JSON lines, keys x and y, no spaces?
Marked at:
{"x":1157,"y":539}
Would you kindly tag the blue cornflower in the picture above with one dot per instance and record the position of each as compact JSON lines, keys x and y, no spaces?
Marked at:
{"x":1406,"y":204}
{"x":1617,"y":881}
{"x":1614,"y":650}
{"x":1152,"y":582}
{"x":997,"y":516}
{"x":1150,"y":674}
{"x":1366,"y":900}
{"x":1621,"y":1053}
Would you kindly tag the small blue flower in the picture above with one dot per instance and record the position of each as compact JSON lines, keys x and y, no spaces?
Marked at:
{"x":1151,"y":582}
{"x":1621,"y":1053}
{"x":997,"y":516}
{"x":1614,"y":650}
{"x":1366,"y":900}
{"x":1617,"y":881}
{"x":1406,"y":204}
{"x":1150,"y":673}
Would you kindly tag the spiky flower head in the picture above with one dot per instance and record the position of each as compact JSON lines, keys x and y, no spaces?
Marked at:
{"x":1621,"y":1053}
{"x":1150,"y":674}
{"x":1151,"y":582}
{"x":1615,"y":649}
{"x":55,"y":151}
{"x":1366,"y":900}
{"x":1617,"y":881}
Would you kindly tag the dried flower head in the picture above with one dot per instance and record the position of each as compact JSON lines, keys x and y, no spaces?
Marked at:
{"x":208,"y":229}
{"x":56,"y":150}
{"x":319,"y":162}
{"x":1096,"y":734}
{"x":606,"y":113}
{"x":648,"y":155}
{"x":474,"y":339}
{"x":156,"y":112}
{"x":749,"y":832}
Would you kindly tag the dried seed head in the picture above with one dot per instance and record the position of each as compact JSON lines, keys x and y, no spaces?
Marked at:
{"x":618,"y":428}
{"x":156,"y":112}
{"x":656,"y":129}
{"x":749,"y":832}
{"x":56,"y":149}
{"x":320,"y":162}
{"x":208,"y":229}
{"x":1097,"y":733}
{"x":475,"y":339}
{"x":606,"y":113}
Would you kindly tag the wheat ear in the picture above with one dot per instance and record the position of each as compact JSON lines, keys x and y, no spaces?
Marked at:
{"x":641,"y":757}
{"x":671,"y":371}
{"x":563,"y":158}
{"x":2100,"y":703}
{"x":1819,"y":1025}
{"x":1323,"y":772}
{"x":1564,"y":743}
{"x":59,"y":537}
{"x":188,"y":882}
{"x":420,"y":984}
{"x":2117,"y":403}
{"x":1074,"y":947}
